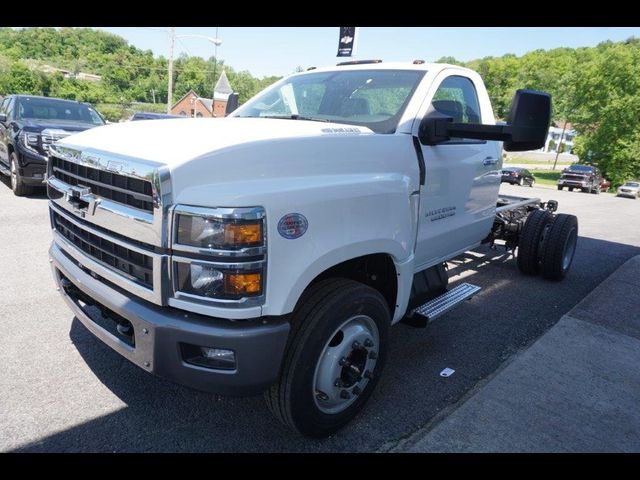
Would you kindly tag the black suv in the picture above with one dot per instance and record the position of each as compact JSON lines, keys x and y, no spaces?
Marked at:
{"x":28,"y":125}
{"x":585,"y":177}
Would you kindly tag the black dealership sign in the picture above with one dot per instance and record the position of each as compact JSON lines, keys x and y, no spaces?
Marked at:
{"x":346,"y":42}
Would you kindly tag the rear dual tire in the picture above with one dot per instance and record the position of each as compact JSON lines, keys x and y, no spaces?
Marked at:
{"x":547,"y":244}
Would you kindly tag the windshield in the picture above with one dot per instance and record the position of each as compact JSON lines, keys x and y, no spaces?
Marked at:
{"x":374,"y":99}
{"x":58,"y":111}
{"x":581,"y":168}
{"x":632,"y":184}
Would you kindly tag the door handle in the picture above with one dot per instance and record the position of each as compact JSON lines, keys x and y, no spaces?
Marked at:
{"x":489,"y":161}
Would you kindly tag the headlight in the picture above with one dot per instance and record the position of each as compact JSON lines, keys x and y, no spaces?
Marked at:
{"x":30,"y":140}
{"x":216,"y":281}
{"x":219,"y":229}
{"x":223,"y":254}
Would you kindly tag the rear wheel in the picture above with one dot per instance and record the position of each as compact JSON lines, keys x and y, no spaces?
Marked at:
{"x":334,"y":357}
{"x":596,"y":190}
{"x":559,"y":247}
{"x":530,"y":239}
{"x":521,"y":181}
{"x":559,"y":187}
{"x":571,"y":189}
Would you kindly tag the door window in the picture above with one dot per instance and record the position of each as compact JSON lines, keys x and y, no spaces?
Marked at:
{"x":456,"y":97}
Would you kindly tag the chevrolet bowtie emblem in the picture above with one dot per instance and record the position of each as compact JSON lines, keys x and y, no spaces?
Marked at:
{"x":83,"y":202}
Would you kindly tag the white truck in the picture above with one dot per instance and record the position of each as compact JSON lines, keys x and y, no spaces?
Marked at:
{"x":270,"y":251}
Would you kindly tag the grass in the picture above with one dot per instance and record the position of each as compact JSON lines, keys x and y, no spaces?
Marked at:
{"x":547,"y":177}
{"x":531,"y":161}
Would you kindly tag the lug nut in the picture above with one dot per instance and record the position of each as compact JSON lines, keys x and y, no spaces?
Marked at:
{"x":368,"y":375}
{"x":373,"y":355}
{"x":344,"y":362}
{"x":368,"y":343}
{"x":345,"y":395}
{"x":356,"y":391}
{"x":337,"y":383}
{"x":356,"y":345}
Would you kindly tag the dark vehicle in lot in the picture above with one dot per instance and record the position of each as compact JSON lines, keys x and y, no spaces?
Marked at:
{"x":28,"y":126}
{"x":516,"y":175}
{"x":585,"y":177}
{"x":629,"y":189}
{"x":152,"y":116}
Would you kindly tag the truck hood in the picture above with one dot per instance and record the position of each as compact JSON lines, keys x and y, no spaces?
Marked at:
{"x":35,"y":125}
{"x":176,"y":141}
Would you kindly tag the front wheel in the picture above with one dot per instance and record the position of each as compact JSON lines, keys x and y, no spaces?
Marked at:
{"x":17,"y":185}
{"x":521,"y":182}
{"x":559,"y":187}
{"x":334,"y":357}
{"x":533,"y":182}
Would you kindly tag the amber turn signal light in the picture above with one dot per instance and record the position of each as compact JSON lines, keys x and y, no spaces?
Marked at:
{"x":243,"y":283}
{"x":243,"y":233}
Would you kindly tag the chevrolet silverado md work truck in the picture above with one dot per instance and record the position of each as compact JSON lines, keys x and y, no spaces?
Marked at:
{"x":270,"y":251}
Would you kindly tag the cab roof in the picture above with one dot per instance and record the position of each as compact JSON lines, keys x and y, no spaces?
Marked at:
{"x":422,"y":67}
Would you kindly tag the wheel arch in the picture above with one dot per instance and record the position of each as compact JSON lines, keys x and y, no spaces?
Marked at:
{"x":380,"y":270}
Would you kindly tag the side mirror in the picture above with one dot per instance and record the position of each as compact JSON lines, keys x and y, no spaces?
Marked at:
{"x":3,"y":118}
{"x":232,"y":103}
{"x":526,"y":128}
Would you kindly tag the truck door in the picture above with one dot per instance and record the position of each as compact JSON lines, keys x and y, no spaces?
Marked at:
{"x":4,"y":155}
{"x":462,"y":176}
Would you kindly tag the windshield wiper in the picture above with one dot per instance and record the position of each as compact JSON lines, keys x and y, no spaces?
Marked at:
{"x":294,"y":116}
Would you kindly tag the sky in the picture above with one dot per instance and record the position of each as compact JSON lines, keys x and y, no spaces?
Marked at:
{"x":278,"y":51}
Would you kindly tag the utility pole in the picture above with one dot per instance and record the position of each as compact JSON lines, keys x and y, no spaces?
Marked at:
{"x":172,"y":39}
{"x":215,"y":62}
{"x":559,"y":144}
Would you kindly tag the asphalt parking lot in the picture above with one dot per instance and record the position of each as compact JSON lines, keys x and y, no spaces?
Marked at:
{"x":63,"y":390}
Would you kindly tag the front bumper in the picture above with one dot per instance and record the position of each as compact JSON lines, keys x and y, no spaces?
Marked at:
{"x":627,"y":194}
{"x":573,"y":183}
{"x":159,"y":332}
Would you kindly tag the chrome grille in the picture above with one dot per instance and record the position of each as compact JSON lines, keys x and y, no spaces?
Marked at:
{"x":134,"y":265}
{"x":123,"y":189}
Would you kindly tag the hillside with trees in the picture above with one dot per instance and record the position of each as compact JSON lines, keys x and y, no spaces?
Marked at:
{"x":128,"y":74}
{"x":596,"y":89}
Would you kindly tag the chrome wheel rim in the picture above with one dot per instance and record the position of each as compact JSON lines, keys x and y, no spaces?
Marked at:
{"x":14,"y":175}
{"x":346,"y":364}
{"x":569,"y":249}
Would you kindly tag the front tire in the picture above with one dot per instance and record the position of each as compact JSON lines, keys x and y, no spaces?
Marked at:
{"x":560,"y":187}
{"x":17,"y":186}
{"x":521,"y":182}
{"x":339,"y":329}
{"x":533,"y":182}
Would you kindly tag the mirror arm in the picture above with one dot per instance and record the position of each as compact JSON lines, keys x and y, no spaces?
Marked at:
{"x":478,"y":131}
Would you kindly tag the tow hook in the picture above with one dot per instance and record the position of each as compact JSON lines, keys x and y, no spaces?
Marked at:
{"x":125,"y":328}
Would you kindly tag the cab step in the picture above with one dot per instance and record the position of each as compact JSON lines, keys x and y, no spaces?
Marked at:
{"x":445,"y":302}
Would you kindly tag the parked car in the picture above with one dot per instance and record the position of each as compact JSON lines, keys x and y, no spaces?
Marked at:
{"x":629,"y":189}
{"x":28,"y":126}
{"x":516,"y":175}
{"x":605,"y":185}
{"x":152,"y":116}
{"x":585,"y":177}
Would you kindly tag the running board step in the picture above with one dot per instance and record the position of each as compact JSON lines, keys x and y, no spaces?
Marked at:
{"x":445,"y":302}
